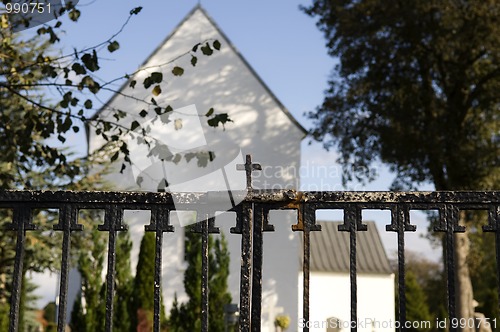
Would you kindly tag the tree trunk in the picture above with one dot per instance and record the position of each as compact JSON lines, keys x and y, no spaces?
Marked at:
{"x":463,"y":286}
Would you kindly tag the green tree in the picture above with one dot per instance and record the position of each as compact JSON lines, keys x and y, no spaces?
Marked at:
{"x":29,"y":65}
{"x":49,"y":314}
{"x":77,"y":321}
{"x":90,"y":316}
{"x":416,"y":87}
{"x":27,"y":311}
{"x":417,"y":309}
{"x":4,"y":315}
{"x":124,"y":283}
{"x":425,"y":289}
{"x":187,"y":316}
{"x":142,"y":307}
{"x":483,"y":270}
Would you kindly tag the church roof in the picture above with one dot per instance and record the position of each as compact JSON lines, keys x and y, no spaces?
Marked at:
{"x":330,"y":250}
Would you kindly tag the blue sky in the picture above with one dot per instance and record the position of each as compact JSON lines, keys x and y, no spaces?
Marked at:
{"x":279,"y":41}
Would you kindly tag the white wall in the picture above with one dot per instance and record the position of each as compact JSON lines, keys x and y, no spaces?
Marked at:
{"x":330,"y":297}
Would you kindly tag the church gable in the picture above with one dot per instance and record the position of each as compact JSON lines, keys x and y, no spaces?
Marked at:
{"x":222,"y":81}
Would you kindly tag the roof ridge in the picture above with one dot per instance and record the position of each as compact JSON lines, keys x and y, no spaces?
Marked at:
{"x":199,"y":7}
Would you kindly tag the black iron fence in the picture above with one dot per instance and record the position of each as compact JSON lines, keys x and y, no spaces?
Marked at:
{"x":252,"y":219}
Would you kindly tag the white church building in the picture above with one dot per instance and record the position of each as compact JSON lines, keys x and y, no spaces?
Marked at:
{"x":261,"y":126}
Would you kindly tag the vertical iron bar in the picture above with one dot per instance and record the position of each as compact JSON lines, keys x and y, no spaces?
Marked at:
{"x":67,"y":221}
{"x":495,"y":220}
{"x":352,"y":223}
{"x":401,"y":279}
{"x":246,"y":248}
{"x":112,"y":223}
{"x":305,"y":272}
{"x":21,"y":218}
{"x":401,"y":223}
{"x":159,"y":224}
{"x":353,"y":271}
{"x":449,"y":218}
{"x":157,"y":285}
{"x":307,"y":221}
{"x":110,"y":280}
{"x":204,"y":274}
{"x":246,"y":268}
{"x":258,"y":244}
{"x":450,"y":267}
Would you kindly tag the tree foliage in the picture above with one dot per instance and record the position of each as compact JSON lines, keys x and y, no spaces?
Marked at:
{"x":416,"y":86}
{"x":124,"y":283}
{"x":142,"y":307}
{"x":483,"y":269}
{"x":417,"y":309}
{"x":49,"y":315}
{"x":89,"y":308}
{"x":425,"y":289}
{"x":73,"y":82}
{"x":187,"y":316}
{"x":46,"y":96}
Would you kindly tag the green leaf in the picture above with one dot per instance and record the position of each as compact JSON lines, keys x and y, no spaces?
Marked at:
{"x":216,"y":45}
{"x":90,"y":61}
{"x":207,"y":50}
{"x":89,"y":82}
{"x":78,"y":69}
{"x":156,"y":90}
{"x":76,"y":129}
{"x":195,"y":47}
{"x":124,"y":148}
{"x":177,"y":71}
{"x":132,"y":84}
{"x":66,"y":125}
{"x":134,"y":125}
{"x":147,"y":82}
{"x":194,"y":60}
{"x":113,"y":46}
{"x":219,"y":118}
{"x":156,"y":77}
{"x":64,"y":103}
{"x":143,"y":113}
{"x":115,"y":156}
{"x":135,"y":11}
{"x":88,"y":104}
{"x":210,"y":112}
{"x":74,"y":15}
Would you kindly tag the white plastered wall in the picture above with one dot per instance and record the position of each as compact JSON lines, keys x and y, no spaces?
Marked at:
{"x":330,"y":297}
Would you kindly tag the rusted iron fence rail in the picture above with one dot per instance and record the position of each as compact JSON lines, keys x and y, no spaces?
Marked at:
{"x":252,"y":219}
